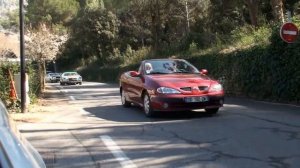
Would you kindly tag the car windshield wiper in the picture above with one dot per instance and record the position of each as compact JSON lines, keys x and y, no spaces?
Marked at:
{"x":182,"y":71}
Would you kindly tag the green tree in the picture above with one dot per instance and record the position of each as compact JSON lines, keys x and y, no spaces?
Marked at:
{"x":93,"y":37}
{"x":11,"y":21}
{"x":51,"y":12}
{"x":278,"y":10}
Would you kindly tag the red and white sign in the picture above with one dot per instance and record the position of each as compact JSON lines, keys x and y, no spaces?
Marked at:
{"x":289,"y":32}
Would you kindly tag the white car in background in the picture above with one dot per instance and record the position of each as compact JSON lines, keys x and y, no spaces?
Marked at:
{"x":70,"y":78}
{"x":52,"y":77}
{"x":48,"y":77}
{"x":15,"y":150}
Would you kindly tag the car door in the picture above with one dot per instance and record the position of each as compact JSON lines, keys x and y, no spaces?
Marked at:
{"x":132,"y":85}
{"x":138,"y":85}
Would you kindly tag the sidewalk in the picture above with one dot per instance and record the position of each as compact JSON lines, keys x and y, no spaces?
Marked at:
{"x":47,"y":108}
{"x":50,"y":126}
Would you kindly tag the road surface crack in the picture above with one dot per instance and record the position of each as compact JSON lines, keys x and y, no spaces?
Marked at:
{"x":268,"y":120}
{"x":214,"y":155}
{"x":189,"y":141}
{"x":96,"y":164}
{"x":278,"y":162}
{"x":292,"y":135}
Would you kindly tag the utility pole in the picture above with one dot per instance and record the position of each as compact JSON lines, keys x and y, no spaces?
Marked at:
{"x":22,"y":58}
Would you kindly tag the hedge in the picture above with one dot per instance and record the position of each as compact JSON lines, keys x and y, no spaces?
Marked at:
{"x":32,"y":72}
{"x":270,"y":72}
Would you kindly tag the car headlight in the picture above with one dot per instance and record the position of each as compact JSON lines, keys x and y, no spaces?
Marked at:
{"x":216,"y":88}
{"x":166,"y":90}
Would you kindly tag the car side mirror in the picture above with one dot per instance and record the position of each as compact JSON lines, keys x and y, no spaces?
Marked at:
{"x":134,"y":74}
{"x":204,"y":71}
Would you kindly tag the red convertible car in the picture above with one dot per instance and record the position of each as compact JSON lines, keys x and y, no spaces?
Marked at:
{"x":170,"y":85}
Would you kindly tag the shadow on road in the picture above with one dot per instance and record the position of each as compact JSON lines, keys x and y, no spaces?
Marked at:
{"x":118,"y":113}
{"x":90,"y":86}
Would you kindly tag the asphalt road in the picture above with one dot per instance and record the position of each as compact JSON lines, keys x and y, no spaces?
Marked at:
{"x":92,"y":129}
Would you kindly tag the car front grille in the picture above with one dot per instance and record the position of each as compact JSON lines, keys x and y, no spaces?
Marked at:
{"x":72,"y":79}
{"x":203,"y":88}
{"x":186,"y":89}
{"x":189,"y":89}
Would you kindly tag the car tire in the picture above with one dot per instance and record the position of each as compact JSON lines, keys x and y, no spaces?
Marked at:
{"x":80,"y":83}
{"x":149,"y":112}
{"x":212,"y":110}
{"x":61,"y":83}
{"x":124,"y":101}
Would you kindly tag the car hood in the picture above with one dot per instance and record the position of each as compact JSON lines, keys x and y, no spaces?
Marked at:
{"x":181,"y":80}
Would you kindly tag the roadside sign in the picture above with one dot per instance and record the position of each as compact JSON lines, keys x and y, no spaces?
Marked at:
{"x":289,"y":32}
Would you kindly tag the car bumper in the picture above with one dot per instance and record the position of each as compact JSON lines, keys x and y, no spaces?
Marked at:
{"x":71,"y":81}
{"x":178,"y":103}
{"x":55,"y":80}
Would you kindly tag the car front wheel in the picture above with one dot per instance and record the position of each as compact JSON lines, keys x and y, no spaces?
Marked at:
{"x":124,"y":101}
{"x":149,"y":112}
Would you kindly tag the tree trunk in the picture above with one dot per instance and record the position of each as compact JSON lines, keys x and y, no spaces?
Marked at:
{"x":187,"y":17}
{"x":277,"y":7}
{"x":42,"y":68}
{"x":43,"y":74}
{"x":155,"y":16}
{"x":253,"y":11}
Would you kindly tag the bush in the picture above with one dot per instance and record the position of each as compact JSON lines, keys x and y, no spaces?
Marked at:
{"x":264,"y":72}
{"x":4,"y":84}
{"x":14,"y":68}
{"x":4,"y":80}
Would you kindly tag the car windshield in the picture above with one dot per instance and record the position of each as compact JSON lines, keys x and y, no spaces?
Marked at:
{"x":169,"y":67}
{"x":71,"y":74}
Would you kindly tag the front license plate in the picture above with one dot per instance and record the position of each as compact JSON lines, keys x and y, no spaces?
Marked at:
{"x":196,"y":99}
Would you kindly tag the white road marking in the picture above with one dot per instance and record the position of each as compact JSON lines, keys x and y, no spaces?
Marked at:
{"x":72,"y":98}
{"x":63,"y":91}
{"x":85,"y":113}
{"x":117,"y":152}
